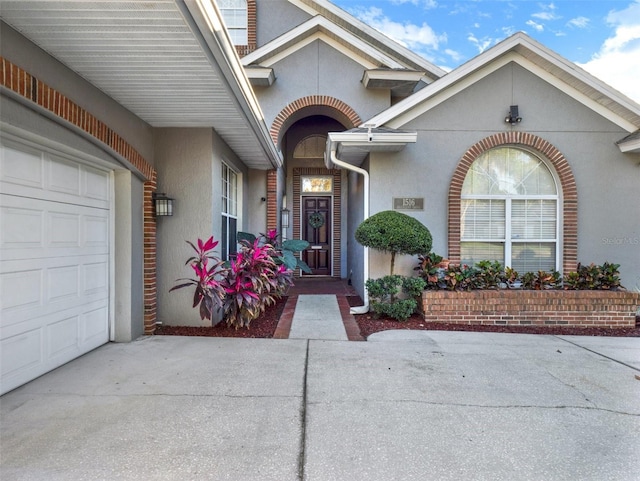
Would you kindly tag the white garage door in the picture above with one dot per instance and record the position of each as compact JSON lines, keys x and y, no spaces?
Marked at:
{"x":54,"y":260}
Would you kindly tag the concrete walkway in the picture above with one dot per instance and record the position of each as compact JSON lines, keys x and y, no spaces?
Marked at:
{"x":318,"y":317}
{"x":438,"y":406}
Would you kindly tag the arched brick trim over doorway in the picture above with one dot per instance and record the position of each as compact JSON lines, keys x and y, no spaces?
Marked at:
{"x":565,"y":175}
{"x":296,"y":110}
{"x":322,"y":104}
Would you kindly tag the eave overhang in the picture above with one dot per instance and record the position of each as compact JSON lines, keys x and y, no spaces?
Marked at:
{"x":353,"y":146}
{"x":169,"y":62}
{"x":260,"y":76}
{"x":400,"y":82}
{"x":630,"y":144}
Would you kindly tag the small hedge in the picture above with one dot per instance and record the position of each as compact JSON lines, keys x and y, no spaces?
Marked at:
{"x":440,"y":275}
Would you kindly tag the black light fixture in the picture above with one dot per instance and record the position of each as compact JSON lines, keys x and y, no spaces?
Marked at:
{"x":284,"y":218}
{"x":514,"y":117}
{"x":163,"y":204}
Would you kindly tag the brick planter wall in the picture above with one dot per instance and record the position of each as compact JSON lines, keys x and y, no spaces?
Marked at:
{"x":524,"y":307}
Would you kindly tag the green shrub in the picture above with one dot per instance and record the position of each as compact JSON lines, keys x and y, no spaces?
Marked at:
{"x":383,"y":295}
{"x":394,"y":232}
{"x":594,"y":277}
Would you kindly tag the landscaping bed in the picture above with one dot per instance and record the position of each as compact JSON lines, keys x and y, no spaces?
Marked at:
{"x":369,"y":324}
{"x":262,"y":327}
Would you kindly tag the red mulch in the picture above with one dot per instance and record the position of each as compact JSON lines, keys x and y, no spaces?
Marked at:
{"x":265,"y":326}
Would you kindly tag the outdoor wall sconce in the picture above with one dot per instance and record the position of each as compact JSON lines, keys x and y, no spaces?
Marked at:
{"x":514,"y":117}
{"x":163,"y":204}
{"x":284,"y":218}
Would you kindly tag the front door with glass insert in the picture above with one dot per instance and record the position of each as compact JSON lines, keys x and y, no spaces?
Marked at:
{"x":316,"y":229}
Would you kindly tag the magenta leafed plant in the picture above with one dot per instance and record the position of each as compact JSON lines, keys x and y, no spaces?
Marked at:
{"x":210,"y":293}
{"x":254,"y":282}
{"x":251,"y":282}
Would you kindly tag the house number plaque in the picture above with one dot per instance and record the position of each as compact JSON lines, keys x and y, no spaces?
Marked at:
{"x":408,"y":203}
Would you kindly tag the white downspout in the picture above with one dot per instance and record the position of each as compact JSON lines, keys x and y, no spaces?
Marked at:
{"x":365,"y":308}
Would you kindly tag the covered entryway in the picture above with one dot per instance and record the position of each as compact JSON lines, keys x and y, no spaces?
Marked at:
{"x":54,"y":259}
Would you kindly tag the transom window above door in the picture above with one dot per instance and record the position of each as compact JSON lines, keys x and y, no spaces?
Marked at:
{"x":317,"y":184}
{"x":509,"y":211}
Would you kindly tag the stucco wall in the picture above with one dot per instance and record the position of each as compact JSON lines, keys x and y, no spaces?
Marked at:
{"x":185,"y":172}
{"x":276,"y":17}
{"x":319,"y":69}
{"x":608,"y":221}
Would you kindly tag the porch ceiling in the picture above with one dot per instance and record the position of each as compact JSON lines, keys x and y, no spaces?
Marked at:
{"x":168,"y":62}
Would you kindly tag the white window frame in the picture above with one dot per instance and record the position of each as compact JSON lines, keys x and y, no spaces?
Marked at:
{"x":227,"y":250}
{"x":239,"y":34}
{"x":508,"y":240}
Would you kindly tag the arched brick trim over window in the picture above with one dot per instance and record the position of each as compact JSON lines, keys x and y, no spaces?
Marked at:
{"x":34,"y":90}
{"x":334,"y":108}
{"x":563,"y":170}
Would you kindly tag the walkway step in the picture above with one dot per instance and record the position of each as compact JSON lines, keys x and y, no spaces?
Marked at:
{"x":318,"y":317}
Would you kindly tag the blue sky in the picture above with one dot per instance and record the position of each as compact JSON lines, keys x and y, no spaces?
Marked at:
{"x":601,"y":36}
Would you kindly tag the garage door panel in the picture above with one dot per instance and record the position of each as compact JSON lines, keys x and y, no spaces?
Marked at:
{"x":28,"y":173}
{"x":59,"y":283}
{"x":94,"y":327}
{"x":34,"y":228}
{"x":22,"y":166}
{"x":20,"y":227}
{"x":64,"y":176}
{"x":96,"y":185}
{"x":20,"y":354}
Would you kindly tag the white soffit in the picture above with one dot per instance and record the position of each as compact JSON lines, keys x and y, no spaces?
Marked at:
{"x":149,"y":57}
{"x":521,"y":49}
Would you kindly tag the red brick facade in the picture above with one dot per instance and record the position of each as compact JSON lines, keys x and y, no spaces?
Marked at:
{"x":34,"y":90}
{"x":538,"y":308}
{"x":569,"y":194}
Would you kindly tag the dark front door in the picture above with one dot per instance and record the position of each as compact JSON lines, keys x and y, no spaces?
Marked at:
{"x":316,"y":229}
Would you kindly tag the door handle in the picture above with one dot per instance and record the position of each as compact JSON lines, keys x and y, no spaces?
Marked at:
{"x":316,"y":247}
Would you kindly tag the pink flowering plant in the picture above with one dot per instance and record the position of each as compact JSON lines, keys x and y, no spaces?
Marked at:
{"x":242,"y":289}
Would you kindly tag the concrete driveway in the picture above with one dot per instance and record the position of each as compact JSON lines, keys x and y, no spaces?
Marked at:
{"x":403,"y":406}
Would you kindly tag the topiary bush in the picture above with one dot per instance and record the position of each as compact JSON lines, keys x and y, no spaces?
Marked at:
{"x":396,"y":233}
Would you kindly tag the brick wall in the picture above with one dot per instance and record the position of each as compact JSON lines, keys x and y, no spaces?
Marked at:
{"x":40,"y":94}
{"x":525,"y":307}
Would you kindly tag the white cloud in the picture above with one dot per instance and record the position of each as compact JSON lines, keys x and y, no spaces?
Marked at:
{"x":536,"y":26}
{"x":415,"y":37}
{"x":481,"y":43}
{"x":579,"y":22}
{"x":455,"y":56}
{"x":617,"y":61}
{"x":427,"y":4}
{"x":548,"y":13}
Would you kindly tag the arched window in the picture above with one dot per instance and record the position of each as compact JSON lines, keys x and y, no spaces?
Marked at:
{"x":234,"y":14}
{"x":311,"y":147}
{"x":509,"y":211}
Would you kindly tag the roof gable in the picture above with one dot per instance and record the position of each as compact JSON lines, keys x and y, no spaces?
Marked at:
{"x":536,"y":58}
{"x":371,"y":36}
{"x":319,"y":28}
